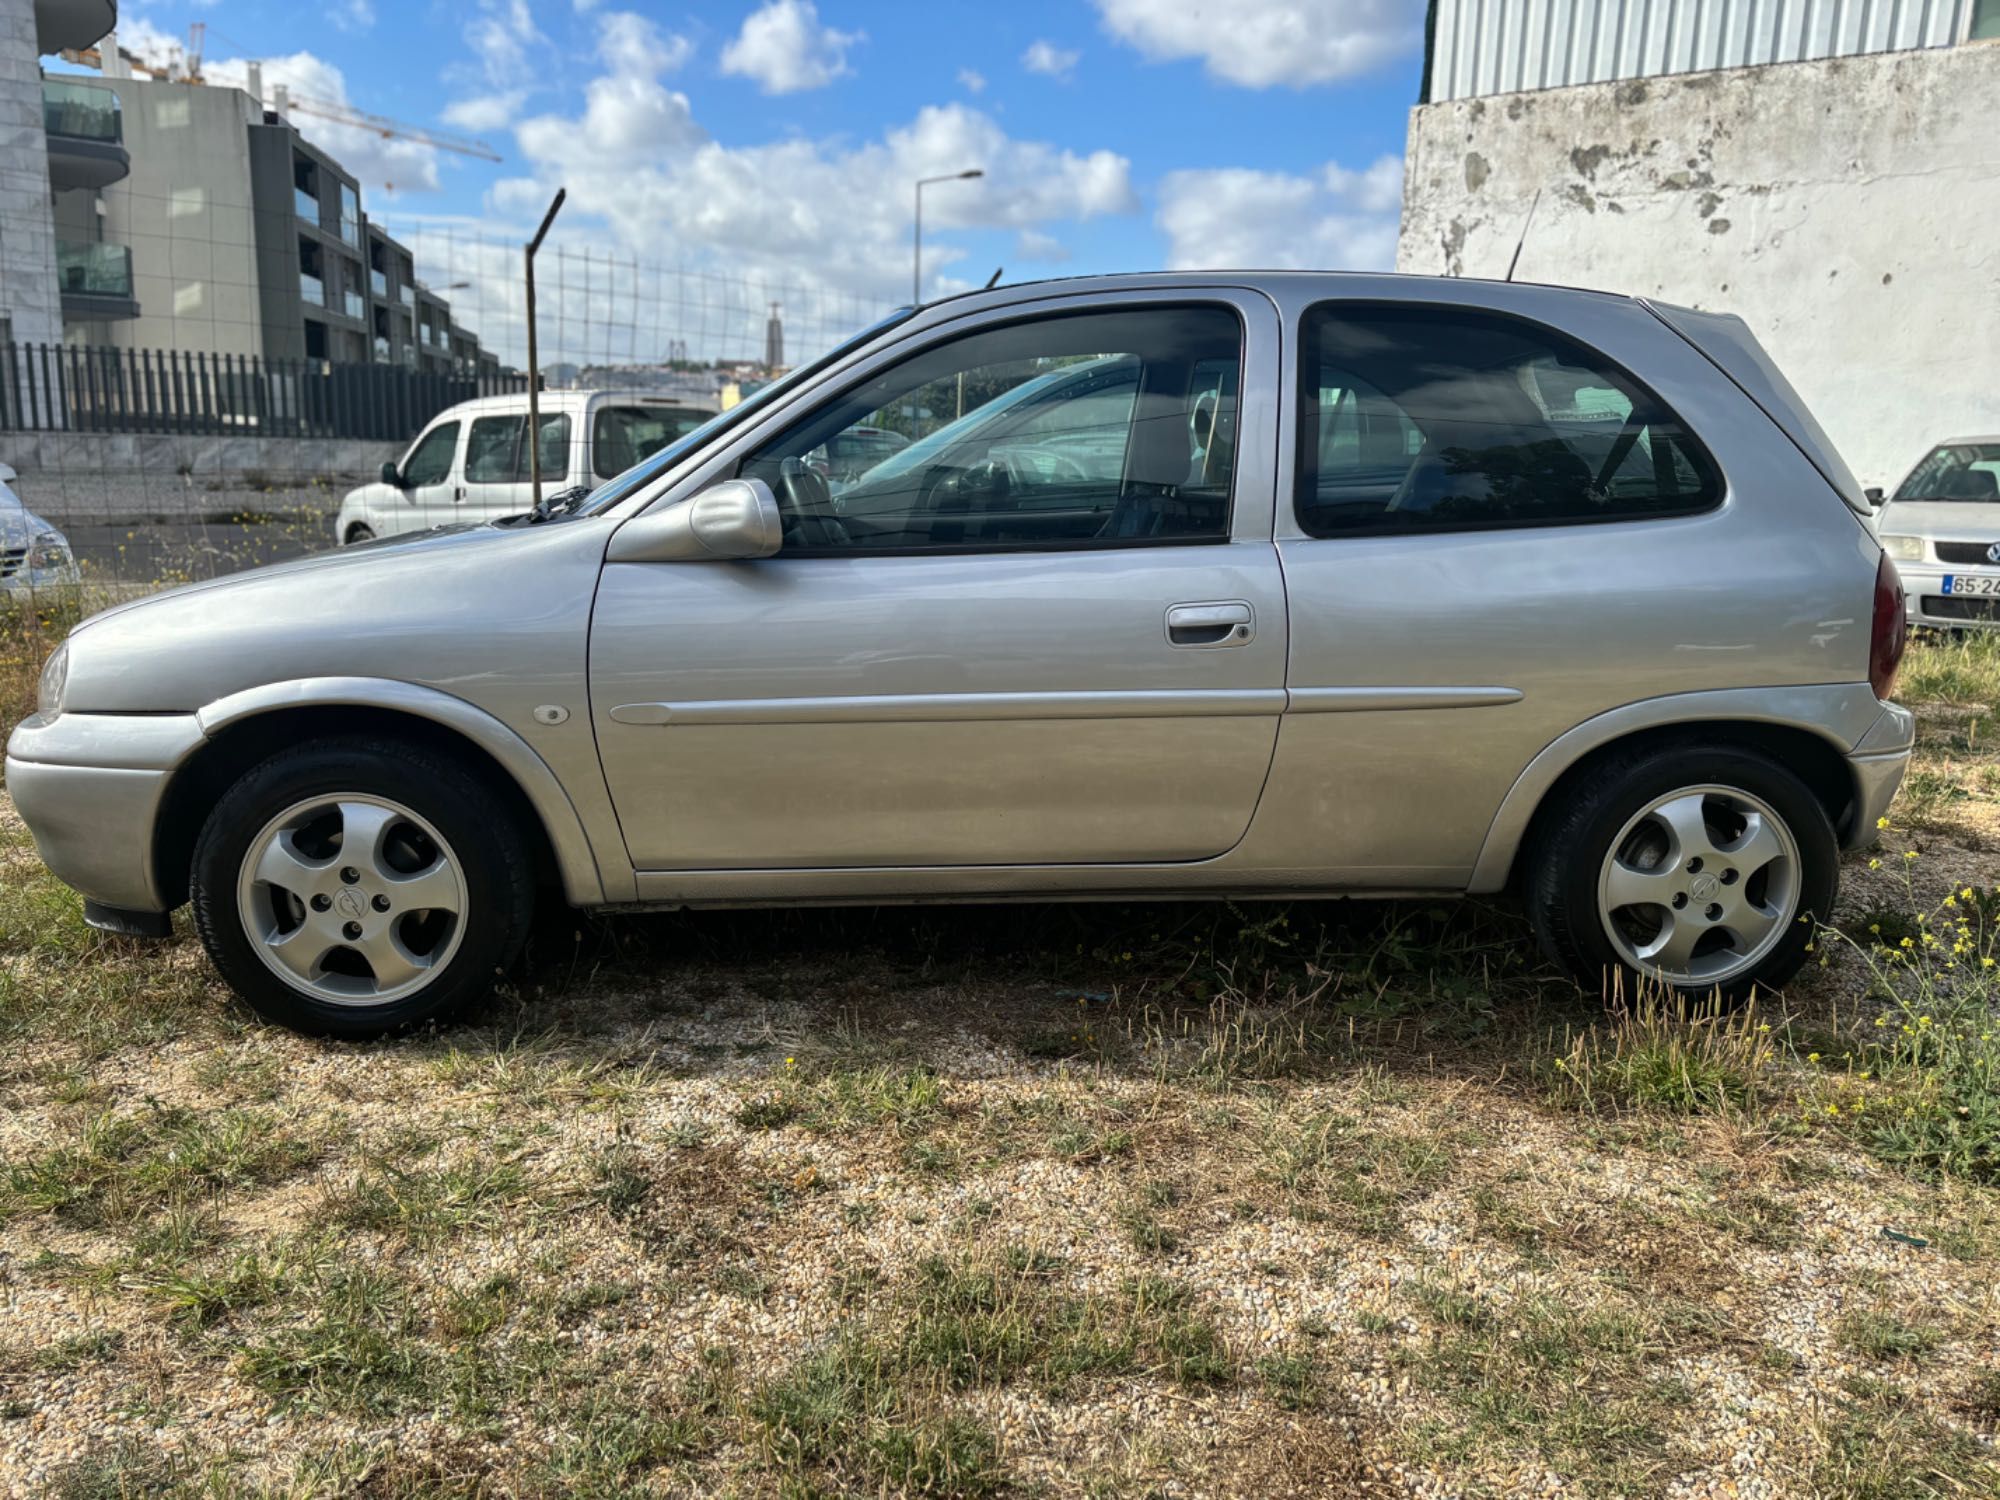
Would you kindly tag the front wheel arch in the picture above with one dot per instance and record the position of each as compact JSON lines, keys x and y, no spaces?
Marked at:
{"x":233,"y":750}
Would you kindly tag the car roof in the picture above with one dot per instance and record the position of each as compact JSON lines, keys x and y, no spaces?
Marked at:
{"x":1963,"y":442}
{"x":1333,"y":281}
{"x":572,"y":401}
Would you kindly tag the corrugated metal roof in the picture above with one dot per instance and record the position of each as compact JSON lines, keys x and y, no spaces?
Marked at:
{"x":1505,"y":46}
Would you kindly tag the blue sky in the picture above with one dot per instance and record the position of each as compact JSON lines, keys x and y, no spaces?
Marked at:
{"x":778,"y":139}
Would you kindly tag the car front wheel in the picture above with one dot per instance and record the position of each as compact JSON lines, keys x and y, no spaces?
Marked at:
{"x":360,"y":532}
{"x":1706,"y":868}
{"x":352,"y":887}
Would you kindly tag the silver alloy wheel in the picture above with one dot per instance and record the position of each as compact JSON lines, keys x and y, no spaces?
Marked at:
{"x":352,"y":899}
{"x":1700,"y":886}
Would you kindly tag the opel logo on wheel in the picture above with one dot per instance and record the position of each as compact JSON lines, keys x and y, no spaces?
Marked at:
{"x":349,"y":904}
{"x":1703,"y":887}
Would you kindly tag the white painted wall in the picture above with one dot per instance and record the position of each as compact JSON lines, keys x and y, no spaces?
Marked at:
{"x":1848,"y":209}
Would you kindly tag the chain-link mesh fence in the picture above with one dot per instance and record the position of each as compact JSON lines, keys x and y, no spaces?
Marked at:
{"x":220,"y":425}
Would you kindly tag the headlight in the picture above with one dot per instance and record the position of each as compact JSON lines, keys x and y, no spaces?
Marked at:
{"x":55,"y":676}
{"x":1904,"y":548}
{"x":49,"y":551}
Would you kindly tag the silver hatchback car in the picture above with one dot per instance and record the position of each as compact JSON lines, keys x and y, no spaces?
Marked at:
{"x":1257,"y":585}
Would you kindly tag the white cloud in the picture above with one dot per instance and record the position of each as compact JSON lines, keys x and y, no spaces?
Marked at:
{"x":972,"y":81}
{"x":1337,"y":219}
{"x":353,"y":15}
{"x":1259,"y":43}
{"x":630,"y":43}
{"x":829,"y":213}
{"x":486,"y":111}
{"x":511,"y":49}
{"x":378,"y":164}
{"x":785,"y":49}
{"x":1046,"y":58}
{"x":1032,"y":244}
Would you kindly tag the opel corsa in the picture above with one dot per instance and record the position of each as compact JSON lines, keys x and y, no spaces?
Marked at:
{"x":1161,"y":586}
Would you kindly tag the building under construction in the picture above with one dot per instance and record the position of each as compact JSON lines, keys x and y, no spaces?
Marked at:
{"x":196,"y":218}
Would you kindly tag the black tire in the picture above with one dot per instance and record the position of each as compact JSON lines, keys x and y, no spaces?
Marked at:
{"x":360,"y":533}
{"x":1570,"y":844}
{"x":497,"y":874}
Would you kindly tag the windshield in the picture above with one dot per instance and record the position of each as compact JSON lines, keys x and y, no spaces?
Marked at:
{"x":615,"y":489}
{"x":1956,"y":471}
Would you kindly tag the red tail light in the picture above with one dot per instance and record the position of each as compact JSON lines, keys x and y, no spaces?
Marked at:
{"x":1891,"y":632}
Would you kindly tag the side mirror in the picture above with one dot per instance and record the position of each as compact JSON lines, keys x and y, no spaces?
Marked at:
{"x":733,"y":520}
{"x":1873,"y":496}
{"x":391,"y":475}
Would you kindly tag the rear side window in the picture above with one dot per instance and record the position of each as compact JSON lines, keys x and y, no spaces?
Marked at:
{"x":620,"y":436}
{"x":555,"y":450}
{"x":1416,"y":419}
{"x":490,"y":449}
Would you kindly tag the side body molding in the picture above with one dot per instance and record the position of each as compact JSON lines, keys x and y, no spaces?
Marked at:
{"x":582,"y":882}
{"x":1840,"y":713}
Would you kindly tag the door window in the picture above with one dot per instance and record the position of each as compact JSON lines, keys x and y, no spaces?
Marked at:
{"x":1091,"y":429}
{"x":490,"y":449}
{"x":430,"y":461}
{"x":1420,"y":419}
{"x":555,"y":450}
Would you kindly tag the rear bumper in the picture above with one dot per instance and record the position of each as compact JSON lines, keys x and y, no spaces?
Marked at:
{"x":89,"y":788}
{"x":1877,"y":764}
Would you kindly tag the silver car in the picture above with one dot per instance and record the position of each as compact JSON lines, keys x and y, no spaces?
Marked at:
{"x":1183,"y":585}
{"x":1942,"y":526}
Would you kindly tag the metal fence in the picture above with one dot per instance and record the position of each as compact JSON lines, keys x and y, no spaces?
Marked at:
{"x":79,"y":388}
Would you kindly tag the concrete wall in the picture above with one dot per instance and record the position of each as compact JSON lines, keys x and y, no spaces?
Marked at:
{"x":1848,"y":209}
{"x":33,"y":453}
{"x":30,"y":298}
{"x":186,"y":211}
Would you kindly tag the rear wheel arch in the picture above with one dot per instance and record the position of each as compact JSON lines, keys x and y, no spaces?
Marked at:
{"x":1814,"y":759}
{"x":200,"y":781}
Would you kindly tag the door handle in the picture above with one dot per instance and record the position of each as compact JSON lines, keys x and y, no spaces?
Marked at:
{"x":1226,"y":622}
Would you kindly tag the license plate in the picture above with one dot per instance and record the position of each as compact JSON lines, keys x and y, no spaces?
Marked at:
{"x":1962,"y":585}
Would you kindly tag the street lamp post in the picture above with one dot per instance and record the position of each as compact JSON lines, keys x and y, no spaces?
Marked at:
{"x":917,"y":244}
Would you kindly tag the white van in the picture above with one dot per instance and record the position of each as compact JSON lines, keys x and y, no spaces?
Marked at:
{"x":470,"y":463}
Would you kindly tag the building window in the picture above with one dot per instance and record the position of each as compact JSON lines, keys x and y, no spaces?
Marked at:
{"x":1985,"y":21}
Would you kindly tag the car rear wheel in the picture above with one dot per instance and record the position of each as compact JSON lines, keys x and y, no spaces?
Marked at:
{"x":1706,"y":868}
{"x":352,"y":887}
{"x":360,"y":533}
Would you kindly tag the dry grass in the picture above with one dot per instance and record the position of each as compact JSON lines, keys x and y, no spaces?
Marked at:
{"x":1098,"y":1201}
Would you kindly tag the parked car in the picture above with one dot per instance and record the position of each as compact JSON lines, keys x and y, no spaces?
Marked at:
{"x":471,"y":463}
{"x":1272,"y":585}
{"x":35,"y":558}
{"x":1942,"y":526}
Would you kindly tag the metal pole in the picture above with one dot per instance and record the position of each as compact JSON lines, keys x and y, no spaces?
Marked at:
{"x":917,"y":254}
{"x":534,"y":434}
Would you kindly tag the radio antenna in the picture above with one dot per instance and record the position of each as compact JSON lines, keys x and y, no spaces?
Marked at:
{"x":1533,"y":203}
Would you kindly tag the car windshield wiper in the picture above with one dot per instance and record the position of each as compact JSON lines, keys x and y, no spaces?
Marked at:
{"x":561,"y":503}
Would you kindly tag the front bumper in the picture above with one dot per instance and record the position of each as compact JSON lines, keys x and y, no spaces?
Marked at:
{"x":89,"y":788}
{"x":1927,"y":604}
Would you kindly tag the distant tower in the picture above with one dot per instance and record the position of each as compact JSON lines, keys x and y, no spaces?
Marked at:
{"x":774,"y":339}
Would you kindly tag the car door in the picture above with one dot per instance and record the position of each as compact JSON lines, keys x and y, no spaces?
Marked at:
{"x":1023,"y":640}
{"x":431,"y":473}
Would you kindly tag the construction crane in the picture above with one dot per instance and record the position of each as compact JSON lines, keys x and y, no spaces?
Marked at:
{"x":183,"y":65}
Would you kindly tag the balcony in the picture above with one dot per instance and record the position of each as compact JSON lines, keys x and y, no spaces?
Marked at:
{"x":353,"y":304}
{"x":96,"y":280}
{"x":381,"y":349}
{"x":306,"y":206}
{"x":408,"y":294}
{"x":86,"y":135}
{"x":378,"y":284}
{"x":312,"y":291}
{"x":72,"y":23}
{"x":350,"y":231}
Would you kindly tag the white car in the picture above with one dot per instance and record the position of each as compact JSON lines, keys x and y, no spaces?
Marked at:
{"x":1942,"y":526}
{"x":470,"y":464}
{"x":35,"y":558}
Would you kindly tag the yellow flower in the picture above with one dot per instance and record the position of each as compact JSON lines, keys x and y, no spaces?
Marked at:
{"x":1875,"y":864}
{"x":1812,"y":1057}
{"x":1909,"y":854}
{"x":1833,"y":1109}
